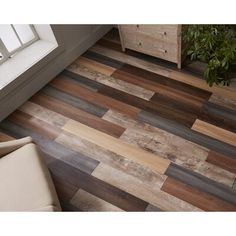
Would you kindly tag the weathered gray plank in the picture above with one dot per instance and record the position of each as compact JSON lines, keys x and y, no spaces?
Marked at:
{"x":75,"y":101}
{"x":52,"y":148}
{"x":184,"y":132}
{"x":201,"y":182}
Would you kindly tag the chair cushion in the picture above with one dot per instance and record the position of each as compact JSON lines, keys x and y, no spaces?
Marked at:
{"x":25,"y":182}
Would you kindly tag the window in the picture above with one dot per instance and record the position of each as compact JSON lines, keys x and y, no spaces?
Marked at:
{"x":14,"y":38}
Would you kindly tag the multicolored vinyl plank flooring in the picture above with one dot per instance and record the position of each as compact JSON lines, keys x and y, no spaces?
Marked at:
{"x":128,"y":132}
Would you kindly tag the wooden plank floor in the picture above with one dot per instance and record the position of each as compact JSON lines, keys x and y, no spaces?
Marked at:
{"x":129,"y":132}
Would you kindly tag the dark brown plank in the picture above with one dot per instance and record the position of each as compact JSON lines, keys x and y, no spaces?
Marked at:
{"x":159,"y":88}
{"x":195,"y":197}
{"x":201,"y":182}
{"x":103,"y":59}
{"x":97,"y":187}
{"x":94,"y":97}
{"x":51,"y":149}
{"x":160,"y":109}
{"x":192,"y":91}
{"x":193,"y":111}
{"x":30,"y":122}
{"x":74,"y":101}
{"x":222,"y":161}
{"x":78,"y":115}
{"x":218,"y":116}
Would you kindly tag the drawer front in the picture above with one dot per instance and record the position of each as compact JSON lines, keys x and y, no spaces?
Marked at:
{"x":167,"y":33}
{"x":151,"y":46}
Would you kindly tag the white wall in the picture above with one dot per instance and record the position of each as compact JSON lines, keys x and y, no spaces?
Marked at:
{"x":73,"y":40}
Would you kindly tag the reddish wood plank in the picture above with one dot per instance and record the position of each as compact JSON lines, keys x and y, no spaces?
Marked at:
{"x":159,"y":88}
{"x":197,"y":198}
{"x":222,"y":161}
{"x":78,"y":115}
{"x":30,"y":122}
{"x":94,"y":97}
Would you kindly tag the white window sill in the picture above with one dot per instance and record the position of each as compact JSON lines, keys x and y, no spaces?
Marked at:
{"x":23,"y":60}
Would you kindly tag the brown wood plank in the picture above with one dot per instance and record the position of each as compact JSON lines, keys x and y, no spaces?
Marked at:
{"x":88,"y":202}
{"x":78,"y":114}
{"x":94,"y":65}
{"x":224,"y":162}
{"x":95,"y":98}
{"x":173,"y":114}
{"x":218,"y":116}
{"x":215,"y":132}
{"x":196,"y":197}
{"x":118,"y":146}
{"x":161,"y":89}
{"x":97,"y":187}
{"x":30,"y":122}
{"x":185,"y":89}
{"x":148,"y":193}
{"x":5,"y":137}
{"x":180,"y":76}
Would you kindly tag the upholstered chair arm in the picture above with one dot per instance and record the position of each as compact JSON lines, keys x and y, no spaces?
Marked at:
{"x":10,"y":146}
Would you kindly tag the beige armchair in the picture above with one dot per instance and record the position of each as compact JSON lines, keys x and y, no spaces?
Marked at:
{"x":25,"y":182}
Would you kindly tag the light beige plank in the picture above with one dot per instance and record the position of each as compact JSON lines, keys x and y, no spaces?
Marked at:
{"x":110,"y":81}
{"x":44,"y":114}
{"x":169,"y":146}
{"x":118,"y":146}
{"x":137,"y":188}
{"x":88,"y":202}
{"x":93,"y":65}
{"x":112,"y":159}
{"x":172,"y":74}
{"x":223,"y":101}
{"x":215,"y":132}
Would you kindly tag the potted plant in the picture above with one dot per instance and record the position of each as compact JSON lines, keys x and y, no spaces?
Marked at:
{"x":216,"y":46}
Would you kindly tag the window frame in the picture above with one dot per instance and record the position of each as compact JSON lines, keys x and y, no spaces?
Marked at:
{"x":6,"y":54}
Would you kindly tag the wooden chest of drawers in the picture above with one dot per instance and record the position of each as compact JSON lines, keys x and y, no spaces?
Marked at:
{"x":163,"y":41}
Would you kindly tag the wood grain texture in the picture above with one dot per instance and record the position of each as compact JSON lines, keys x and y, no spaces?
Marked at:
{"x":77,"y":114}
{"x":186,"y":90}
{"x":112,"y":82}
{"x":195,"y":197}
{"x":32,"y":123}
{"x":169,"y":146}
{"x":103,"y":59}
{"x":88,"y":202}
{"x":42,"y":113}
{"x":222,"y":161}
{"x":187,"y":133}
{"x":112,"y":159}
{"x":131,"y":185}
{"x":154,"y":83}
{"x":218,"y":116}
{"x":215,"y":132}
{"x":97,"y":187}
{"x":76,"y":78}
{"x":162,"y":110}
{"x":95,"y":98}
{"x":75,"y":101}
{"x":202,"y":183}
{"x":94,"y":65}
{"x":172,"y":74}
{"x":51,"y":148}
{"x":131,"y":152}
{"x":223,"y":101}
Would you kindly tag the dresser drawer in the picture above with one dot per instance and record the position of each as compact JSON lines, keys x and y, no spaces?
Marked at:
{"x":148,"y":45}
{"x":167,"y":33}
